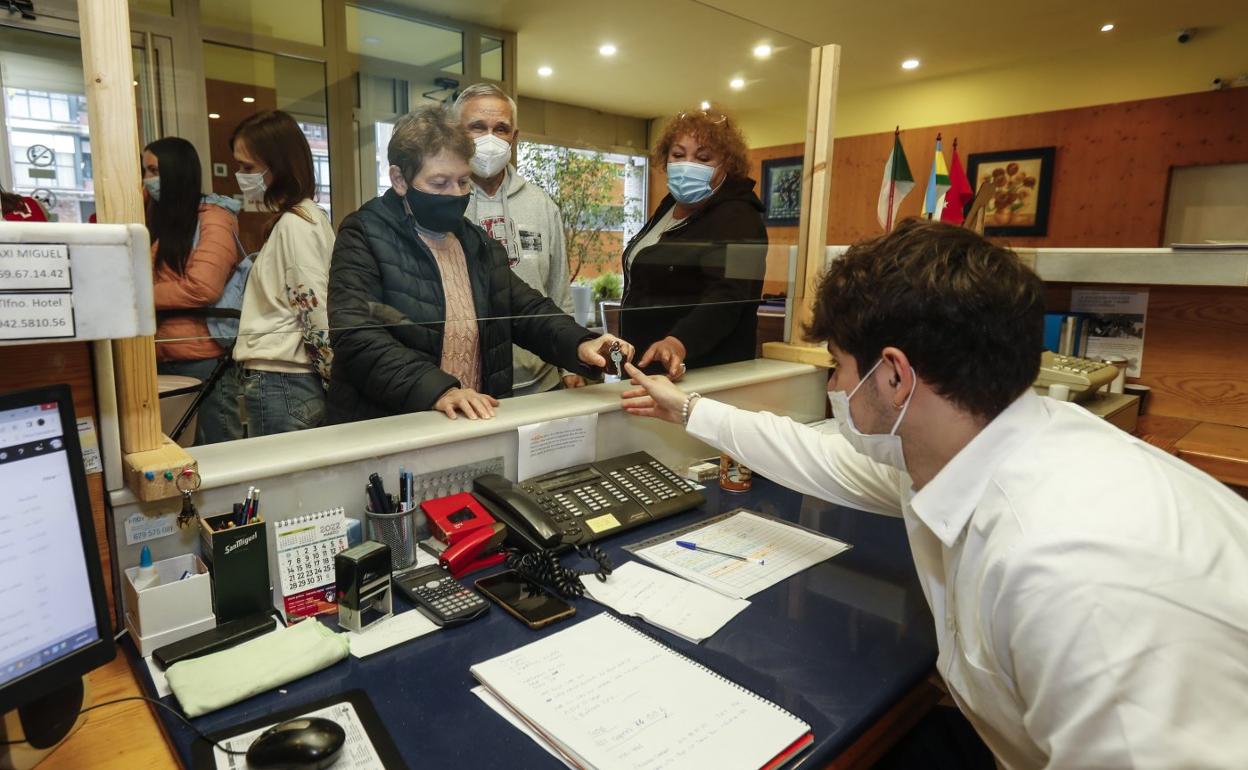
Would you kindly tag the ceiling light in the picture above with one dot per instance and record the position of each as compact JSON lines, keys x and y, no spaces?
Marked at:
{"x":606,"y":49}
{"x":705,"y":105}
{"x":736,"y":84}
{"x":545,"y":71}
{"x":1107,"y":27}
{"x":213,"y":115}
{"x":762,"y":51}
{"x":134,"y":82}
{"x":910,"y":64}
{"x":248,"y":99}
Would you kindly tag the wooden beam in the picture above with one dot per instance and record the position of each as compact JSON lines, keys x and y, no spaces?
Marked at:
{"x":109,"y":78}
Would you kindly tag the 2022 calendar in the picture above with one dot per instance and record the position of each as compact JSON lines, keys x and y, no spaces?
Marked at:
{"x":306,"y":547}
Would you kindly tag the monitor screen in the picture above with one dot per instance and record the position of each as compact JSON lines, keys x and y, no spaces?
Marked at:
{"x":50,"y":584}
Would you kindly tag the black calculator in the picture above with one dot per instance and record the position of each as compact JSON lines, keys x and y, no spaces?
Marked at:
{"x":440,"y":597}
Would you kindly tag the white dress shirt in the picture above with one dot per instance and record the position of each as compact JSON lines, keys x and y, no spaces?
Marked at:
{"x":1090,"y":591}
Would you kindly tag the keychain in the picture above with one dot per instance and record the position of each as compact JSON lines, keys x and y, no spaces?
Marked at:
{"x":188,"y":481}
{"x":617,"y":358}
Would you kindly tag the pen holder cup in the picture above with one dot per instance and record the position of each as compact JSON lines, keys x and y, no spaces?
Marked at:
{"x":238,"y":560}
{"x":398,"y":530}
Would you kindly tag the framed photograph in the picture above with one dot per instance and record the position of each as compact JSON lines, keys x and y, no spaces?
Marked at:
{"x":1022,"y":182}
{"x":782,"y":191}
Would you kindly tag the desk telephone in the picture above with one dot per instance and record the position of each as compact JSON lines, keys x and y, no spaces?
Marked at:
{"x":1084,"y":376}
{"x":585,"y":503}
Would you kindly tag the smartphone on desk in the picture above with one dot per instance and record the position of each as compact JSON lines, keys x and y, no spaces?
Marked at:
{"x":527,"y":601}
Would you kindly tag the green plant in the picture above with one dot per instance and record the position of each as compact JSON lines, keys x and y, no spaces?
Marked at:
{"x":584,"y":187}
{"x":607,"y":286}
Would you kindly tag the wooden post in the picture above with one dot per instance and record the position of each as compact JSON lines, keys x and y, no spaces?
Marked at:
{"x":825,"y":65}
{"x":109,"y":76}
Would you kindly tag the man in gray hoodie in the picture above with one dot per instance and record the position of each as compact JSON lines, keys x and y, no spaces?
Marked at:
{"x":519,"y":215}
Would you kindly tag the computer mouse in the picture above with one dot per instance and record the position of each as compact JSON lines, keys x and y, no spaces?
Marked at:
{"x":307,"y":743}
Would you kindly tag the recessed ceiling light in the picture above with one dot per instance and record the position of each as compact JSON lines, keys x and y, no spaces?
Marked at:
{"x":213,"y":115}
{"x":545,"y":72}
{"x":705,"y":105}
{"x":1107,"y":27}
{"x":762,"y":51}
{"x":372,"y":40}
{"x":134,"y":82}
{"x":606,"y":49}
{"x":910,"y":64}
{"x":248,"y":99}
{"x":736,"y":84}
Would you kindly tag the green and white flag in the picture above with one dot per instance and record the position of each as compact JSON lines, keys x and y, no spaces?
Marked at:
{"x":898,"y":182}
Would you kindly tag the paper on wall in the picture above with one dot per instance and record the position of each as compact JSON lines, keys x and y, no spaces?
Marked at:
{"x":556,"y":444}
{"x":1115,"y":323}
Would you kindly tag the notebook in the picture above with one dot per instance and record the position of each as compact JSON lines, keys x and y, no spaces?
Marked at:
{"x":606,"y":696}
{"x":306,"y":547}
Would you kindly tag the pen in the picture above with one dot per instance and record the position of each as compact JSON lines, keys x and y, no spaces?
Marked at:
{"x":696,"y":547}
{"x":381,"y":501}
{"x":255,"y":507}
{"x":242,"y":517}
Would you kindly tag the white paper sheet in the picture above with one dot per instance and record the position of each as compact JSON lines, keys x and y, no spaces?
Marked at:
{"x":385,"y":634}
{"x":555,"y":444}
{"x":690,"y":611}
{"x":786,"y":551}
{"x":357,"y":753}
{"x":499,"y":708}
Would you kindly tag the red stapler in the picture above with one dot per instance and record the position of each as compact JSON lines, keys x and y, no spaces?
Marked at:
{"x":472,"y":537}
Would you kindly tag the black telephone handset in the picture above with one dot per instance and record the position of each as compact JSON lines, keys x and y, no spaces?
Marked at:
{"x":528,"y":526}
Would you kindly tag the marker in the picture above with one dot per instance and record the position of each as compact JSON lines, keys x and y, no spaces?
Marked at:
{"x":696,"y":547}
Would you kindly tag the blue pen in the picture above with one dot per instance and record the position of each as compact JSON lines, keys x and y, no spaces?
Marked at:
{"x":695,"y":547}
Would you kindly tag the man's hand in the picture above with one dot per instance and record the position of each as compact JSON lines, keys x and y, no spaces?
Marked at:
{"x":594,"y":352}
{"x":474,"y":405}
{"x":670,"y":352}
{"x":655,"y":396}
{"x":572,"y":381}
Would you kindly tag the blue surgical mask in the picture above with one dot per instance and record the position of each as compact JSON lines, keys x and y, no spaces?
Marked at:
{"x":689,"y":182}
{"x":152,"y":183}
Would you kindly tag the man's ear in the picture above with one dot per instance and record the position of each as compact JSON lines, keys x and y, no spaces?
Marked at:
{"x":397,"y":181}
{"x":901,"y":377}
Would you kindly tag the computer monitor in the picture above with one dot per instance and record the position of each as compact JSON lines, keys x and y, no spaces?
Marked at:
{"x":54,"y":623}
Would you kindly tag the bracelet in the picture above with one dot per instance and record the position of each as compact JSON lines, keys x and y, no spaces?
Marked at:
{"x":684,"y":409}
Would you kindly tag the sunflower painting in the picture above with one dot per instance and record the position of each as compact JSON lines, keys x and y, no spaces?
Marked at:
{"x":1020,"y":181}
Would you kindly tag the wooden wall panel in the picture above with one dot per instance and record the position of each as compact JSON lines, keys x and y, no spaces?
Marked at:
{"x":29,"y":366}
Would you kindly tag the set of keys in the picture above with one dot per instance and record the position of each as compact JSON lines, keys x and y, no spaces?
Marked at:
{"x":617,"y":358}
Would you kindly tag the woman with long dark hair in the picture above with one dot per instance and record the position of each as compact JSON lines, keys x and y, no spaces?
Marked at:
{"x":195,"y":251}
{"x":283,"y":352}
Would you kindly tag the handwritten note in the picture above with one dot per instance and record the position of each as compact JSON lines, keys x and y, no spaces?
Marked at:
{"x":690,"y":611}
{"x":608,"y":696}
{"x":555,"y":444}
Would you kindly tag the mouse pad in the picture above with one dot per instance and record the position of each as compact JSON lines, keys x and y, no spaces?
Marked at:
{"x":352,"y":709}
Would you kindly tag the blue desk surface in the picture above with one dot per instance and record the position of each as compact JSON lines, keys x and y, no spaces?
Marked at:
{"x":837,"y":645}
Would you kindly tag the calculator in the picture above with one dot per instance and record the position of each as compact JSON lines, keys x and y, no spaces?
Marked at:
{"x":440,"y":597}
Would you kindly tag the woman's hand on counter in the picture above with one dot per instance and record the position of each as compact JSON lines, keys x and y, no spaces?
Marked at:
{"x":474,"y":405}
{"x":573,"y":381}
{"x":670,"y":352}
{"x":654,"y":396}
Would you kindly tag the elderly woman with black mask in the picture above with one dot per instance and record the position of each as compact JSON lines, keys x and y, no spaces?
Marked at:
{"x":423,"y":308}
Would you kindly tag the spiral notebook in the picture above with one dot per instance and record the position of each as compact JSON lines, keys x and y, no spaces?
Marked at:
{"x":306,"y":547}
{"x":604,"y":695}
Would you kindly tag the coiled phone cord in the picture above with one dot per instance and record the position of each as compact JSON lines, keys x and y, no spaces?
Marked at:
{"x":544,"y":567}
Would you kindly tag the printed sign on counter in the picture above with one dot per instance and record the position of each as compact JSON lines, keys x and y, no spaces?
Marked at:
{"x":25,"y":266}
{"x":36,"y":316}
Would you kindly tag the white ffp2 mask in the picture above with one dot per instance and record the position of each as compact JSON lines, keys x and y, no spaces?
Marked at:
{"x":491,"y":156}
{"x":252,"y":185}
{"x":882,"y":447}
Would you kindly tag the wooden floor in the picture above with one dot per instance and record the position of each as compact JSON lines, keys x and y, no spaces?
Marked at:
{"x":122,"y":736}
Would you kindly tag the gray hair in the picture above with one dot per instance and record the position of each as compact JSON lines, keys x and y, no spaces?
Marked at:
{"x":478,"y":90}
{"x":423,"y":132}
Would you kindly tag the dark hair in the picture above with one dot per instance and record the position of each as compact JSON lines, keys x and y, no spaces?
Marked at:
{"x":715,"y":129}
{"x":275,"y":139}
{"x":172,"y":220}
{"x":422,"y":133}
{"x":968,"y":314}
{"x":10,"y":202}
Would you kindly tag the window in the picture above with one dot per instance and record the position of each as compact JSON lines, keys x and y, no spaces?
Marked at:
{"x":50,"y":151}
{"x":491,"y":58}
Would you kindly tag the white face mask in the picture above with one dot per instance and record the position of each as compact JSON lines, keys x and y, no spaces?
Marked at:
{"x":882,"y":447}
{"x":491,"y":156}
{"x":252,"y":185}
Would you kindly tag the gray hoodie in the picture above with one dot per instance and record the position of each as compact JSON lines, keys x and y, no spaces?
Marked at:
{"x":526,"y":221}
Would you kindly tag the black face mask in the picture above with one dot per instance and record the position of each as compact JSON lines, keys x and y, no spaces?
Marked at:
{"x":439,"y":213}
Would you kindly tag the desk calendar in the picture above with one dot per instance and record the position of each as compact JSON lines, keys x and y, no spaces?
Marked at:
{"x":306,"y":546}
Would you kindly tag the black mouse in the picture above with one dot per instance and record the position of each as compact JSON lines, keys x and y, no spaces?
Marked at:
{"x":308,"y":743}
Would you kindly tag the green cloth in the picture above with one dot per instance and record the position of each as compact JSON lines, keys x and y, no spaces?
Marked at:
{"x":222,"y":678}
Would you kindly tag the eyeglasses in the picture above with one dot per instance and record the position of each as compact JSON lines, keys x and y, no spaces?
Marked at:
{"x":714,"y":116}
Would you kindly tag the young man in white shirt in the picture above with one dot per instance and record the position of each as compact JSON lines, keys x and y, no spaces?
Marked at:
{"x":519,"y":215}
{"x":1090,"y":592}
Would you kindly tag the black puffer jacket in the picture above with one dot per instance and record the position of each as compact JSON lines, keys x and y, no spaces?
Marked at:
{"x":387,"y":307}
{"x":702,"y":282}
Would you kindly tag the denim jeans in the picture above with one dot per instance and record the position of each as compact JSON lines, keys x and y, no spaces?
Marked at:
{"x":276,"y":402}
{"x":214,"y":418}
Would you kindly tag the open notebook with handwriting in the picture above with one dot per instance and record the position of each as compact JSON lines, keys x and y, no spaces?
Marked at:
{"x":607,"y":696}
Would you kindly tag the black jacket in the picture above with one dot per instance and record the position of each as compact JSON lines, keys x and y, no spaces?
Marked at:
{"x":702,"y":282}
{"x":386,"y":309}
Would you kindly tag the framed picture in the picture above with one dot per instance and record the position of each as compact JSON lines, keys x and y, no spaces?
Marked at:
{"x":1022,"y":182}
{"x":782,"y":191}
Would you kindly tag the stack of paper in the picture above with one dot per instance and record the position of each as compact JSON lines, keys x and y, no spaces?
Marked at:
{"x":687,"y":610}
